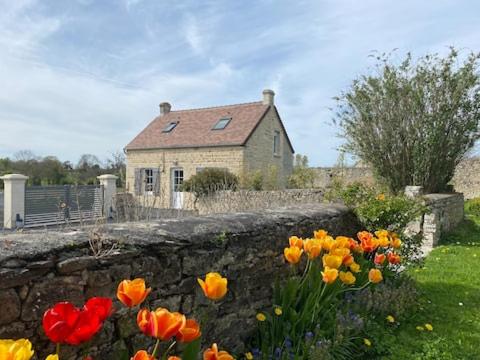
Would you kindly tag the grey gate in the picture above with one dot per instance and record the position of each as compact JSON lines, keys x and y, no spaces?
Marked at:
{"x":55,"y":205}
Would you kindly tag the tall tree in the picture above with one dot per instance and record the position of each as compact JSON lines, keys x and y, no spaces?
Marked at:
{"x":415,"y":121}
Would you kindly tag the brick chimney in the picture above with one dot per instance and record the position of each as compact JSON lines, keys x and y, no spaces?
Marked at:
{"x":268,"y":96}
{"x":165,"y":108}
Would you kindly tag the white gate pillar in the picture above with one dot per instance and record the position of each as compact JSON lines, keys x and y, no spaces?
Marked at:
{"x":14,"y":200}
{"x":109,"y":183}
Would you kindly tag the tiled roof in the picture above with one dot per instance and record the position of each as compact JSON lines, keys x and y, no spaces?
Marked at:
{"x":194,"y":128}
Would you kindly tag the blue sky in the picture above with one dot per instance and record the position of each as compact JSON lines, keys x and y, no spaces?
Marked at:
{"x":86,"y":76}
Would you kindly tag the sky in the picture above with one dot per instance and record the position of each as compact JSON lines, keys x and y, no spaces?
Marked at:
{"x":85,"y":76}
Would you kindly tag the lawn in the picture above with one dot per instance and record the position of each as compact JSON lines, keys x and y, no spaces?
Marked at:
{"x":450,"y":285}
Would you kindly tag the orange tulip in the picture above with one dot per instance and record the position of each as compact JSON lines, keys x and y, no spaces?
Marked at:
{"x":215,"y":286}
{"x":142,"y":355}
{"x":295,"y":241}
{"x":190,"y":332}
{"x":161,"y":323}
{"x":393,"y":258}
{"x":367,"y":241}
{"x":348,"y":260}
{"x":352,"y":243}
{"x":329,"y":275}
{"x":293,"y":254}
{"x":375,"y":276}
{"x":132,"y":292}
{"x":174,"y":358}
{"x":379,"y":259}
{"x":214,"y":354}
{"x":320,"y":234}
{"x":313,"y":248}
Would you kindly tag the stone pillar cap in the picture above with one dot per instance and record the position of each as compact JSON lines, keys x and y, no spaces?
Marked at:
{"x":14,"y":177}
{"x":107,"y":177}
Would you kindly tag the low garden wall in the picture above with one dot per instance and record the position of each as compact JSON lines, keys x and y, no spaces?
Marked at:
{"x":248,"y":200}
{"x":446,"y":212}
{"x":38,"y":269}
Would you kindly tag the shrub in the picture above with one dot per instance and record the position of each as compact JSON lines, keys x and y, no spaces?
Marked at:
{"x":413,"y":122}
{"x":378,"y":210}
{"x":472,"y":207}
{"x":209,"y":181}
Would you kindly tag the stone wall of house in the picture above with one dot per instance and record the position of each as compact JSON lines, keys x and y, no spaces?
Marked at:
{"x":249,"y":200}
{"x":189,"y":160}
{"x":38,"y":269}
{"x":259,"y":155}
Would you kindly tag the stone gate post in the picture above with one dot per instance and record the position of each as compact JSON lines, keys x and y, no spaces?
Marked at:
{"x":109,"y":183}
{"x":14,"y":200}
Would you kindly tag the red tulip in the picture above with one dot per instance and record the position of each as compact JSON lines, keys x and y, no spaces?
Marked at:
{"x":379,"y":259}
{"x":65,"y":323}
{"x":101,"y":306}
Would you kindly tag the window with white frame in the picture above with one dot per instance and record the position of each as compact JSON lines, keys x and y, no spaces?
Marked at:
{"x":276,"y":143}
{"x":149,"y":180}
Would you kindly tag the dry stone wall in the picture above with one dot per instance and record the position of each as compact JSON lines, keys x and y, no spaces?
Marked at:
{"x":38,"y":269}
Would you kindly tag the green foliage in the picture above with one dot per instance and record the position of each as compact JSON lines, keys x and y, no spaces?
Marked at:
{"x":413,"y":122}
{"x":259,"y":180}
{"x":49,"y":170}
{"x":209,"y":181}
{"x":303,"y":176}
{"x":472,"y":207}
{"x":377,"y":210}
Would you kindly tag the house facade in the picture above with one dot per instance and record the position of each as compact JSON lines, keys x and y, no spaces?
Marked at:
{"x":243,"y":138}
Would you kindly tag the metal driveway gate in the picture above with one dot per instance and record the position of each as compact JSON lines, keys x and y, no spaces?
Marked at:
{"x":55,"y":205}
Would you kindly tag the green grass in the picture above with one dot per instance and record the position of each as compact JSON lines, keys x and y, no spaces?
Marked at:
{"x":450,"y":287}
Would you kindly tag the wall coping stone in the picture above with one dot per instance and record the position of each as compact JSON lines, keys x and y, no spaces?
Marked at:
{"x":158,"y":233}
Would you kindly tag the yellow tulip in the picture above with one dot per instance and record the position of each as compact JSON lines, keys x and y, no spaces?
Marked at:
{"x":381,"y":197}
{"x":52,"y":357}
{"x":16,"y":349}
{"x":396,"y":243}
{"x":261,"y":317}
{"x":342,"y":242}
{"x":429,"y":327}
{"x":328,"y":243}
{"x":293,"y":254}
{"x":295,"y":241}
{"x":355,"y":267}
{"x":383,"y":241}
{"x":215,"y":286}
{"x":390,"y":319}
{"x":278,"y":311}
{"x":347,"y":277}
{"x":375,"y":276}
{"x":332,"y":261}
{"x":367,"y":342}
{"x":313,"y":248}
{"x":329,"y":275}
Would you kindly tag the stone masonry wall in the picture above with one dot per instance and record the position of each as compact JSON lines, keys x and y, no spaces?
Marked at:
{"x":187,"y":159}
{"x":467,"y":178}
{"x":38,"y":269}
{"x":249,"y":200}
{"x":259,"y":154}
{"x":446,"y":212}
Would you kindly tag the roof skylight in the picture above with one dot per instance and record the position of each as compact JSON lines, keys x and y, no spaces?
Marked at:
{"x":169,"y":127}
{"x":221,"y":124}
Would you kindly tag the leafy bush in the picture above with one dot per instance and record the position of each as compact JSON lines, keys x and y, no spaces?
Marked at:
{"x":209,"y":181}
{"x":378,"y":210}
{"x":413,"y":122}
{"x":472,"y":207}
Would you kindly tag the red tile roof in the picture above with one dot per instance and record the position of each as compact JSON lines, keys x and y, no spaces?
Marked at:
{"x":194,"y":128}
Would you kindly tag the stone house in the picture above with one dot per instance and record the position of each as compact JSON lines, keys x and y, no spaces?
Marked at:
{"x":243,"y":138}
